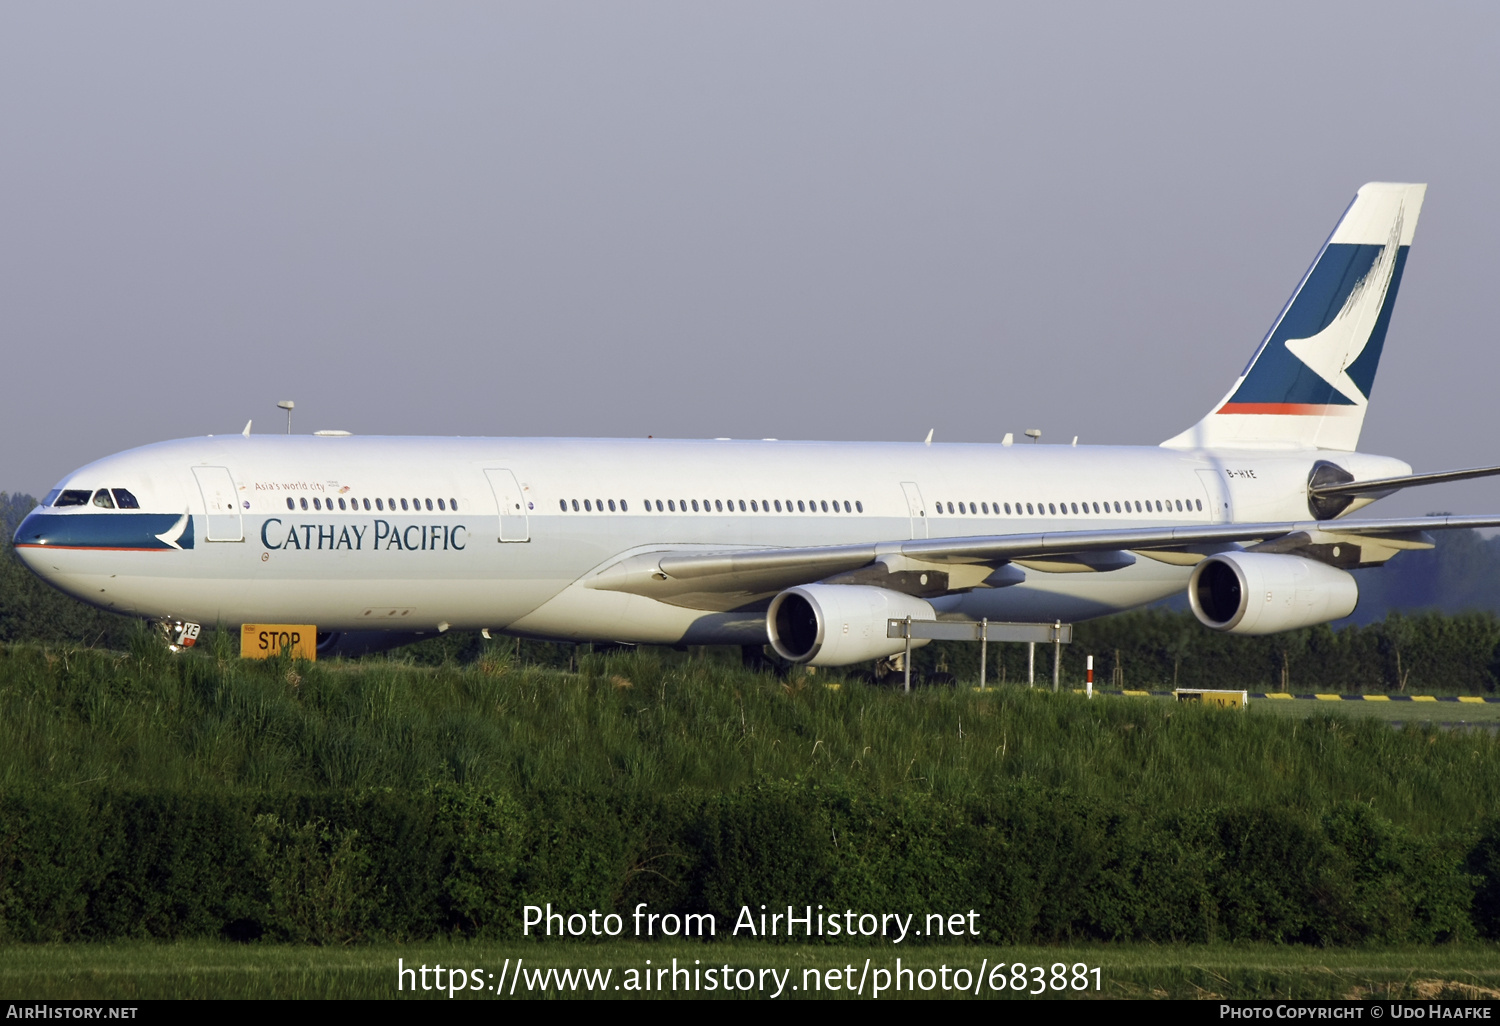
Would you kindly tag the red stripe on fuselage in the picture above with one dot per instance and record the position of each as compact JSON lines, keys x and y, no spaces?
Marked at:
{"x":1288,"y":409}
{"x":89,"y":548}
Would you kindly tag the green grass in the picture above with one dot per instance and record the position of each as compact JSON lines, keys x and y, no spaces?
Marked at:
{"x":141,"y":971}
{"x":651,"y":720}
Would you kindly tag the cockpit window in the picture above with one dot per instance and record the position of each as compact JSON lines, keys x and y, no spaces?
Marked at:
{"x":74,"y":497}
{"x":51,"y":496}
{"x":124,"y":499}
{"x":102,"y":499}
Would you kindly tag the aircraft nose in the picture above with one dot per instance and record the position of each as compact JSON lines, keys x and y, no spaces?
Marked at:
{"x":29,"y":531}
{"x":29,"y":541}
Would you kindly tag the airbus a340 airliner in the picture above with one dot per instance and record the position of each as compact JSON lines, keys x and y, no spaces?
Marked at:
{"x":810,"y":546}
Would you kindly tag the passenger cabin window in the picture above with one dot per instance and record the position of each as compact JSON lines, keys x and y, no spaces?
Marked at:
{"x":289,"y":503}
{"x":74,"y":497}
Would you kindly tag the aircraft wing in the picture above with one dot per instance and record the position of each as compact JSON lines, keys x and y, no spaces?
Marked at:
{"x":732,"y":579}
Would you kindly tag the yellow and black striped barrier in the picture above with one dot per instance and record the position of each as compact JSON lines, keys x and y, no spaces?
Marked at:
{"x":1285,"y":696}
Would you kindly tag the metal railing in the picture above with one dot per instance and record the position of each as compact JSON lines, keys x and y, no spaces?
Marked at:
{"x":1057,"y":634}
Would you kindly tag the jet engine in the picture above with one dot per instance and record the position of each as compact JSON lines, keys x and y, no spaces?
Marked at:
{"x":839,"y":624}
{"x":1263,"y":592}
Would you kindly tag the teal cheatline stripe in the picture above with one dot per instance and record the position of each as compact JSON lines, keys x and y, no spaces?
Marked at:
{"x":118,"y":530}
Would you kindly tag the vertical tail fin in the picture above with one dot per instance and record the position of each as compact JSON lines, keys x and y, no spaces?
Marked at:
{"x":1308,"y":385}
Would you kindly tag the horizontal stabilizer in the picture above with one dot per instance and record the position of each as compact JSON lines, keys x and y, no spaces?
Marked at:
{"x":1386,"y":485}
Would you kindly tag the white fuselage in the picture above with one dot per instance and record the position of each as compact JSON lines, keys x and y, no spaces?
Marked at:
{"x":355,"y":563}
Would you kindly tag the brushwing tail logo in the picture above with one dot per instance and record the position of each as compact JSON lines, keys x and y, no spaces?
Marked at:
{"x":1331,"y":351}
{"x":173,"y":535}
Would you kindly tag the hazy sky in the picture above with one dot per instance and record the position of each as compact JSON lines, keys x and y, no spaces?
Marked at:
{"x":827,"y":220}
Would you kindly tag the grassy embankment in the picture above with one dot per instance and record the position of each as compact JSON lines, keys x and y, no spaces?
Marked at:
{"x":656,"y":722}
{"x":639,"y":720}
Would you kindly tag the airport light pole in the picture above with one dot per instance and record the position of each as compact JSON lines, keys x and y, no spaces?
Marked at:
{"x":287,"y":404}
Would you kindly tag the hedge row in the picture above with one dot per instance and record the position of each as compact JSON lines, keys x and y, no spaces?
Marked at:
{"x":1157,"y":648}
{"x":1038,"y":865}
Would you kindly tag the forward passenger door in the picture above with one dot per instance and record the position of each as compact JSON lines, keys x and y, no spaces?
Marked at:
{"x":221,"y":504}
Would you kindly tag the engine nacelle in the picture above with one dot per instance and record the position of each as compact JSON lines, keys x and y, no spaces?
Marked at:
{"x":839,"y":624}
{"x":1263,"y":592}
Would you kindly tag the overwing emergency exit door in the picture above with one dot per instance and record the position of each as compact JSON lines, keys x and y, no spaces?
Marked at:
{"x":515,"y":525}
{"x":221,"y":504}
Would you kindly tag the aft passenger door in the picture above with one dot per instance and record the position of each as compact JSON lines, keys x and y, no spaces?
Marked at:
{"x":221,"y":503}
{"x":1217,"y":493}
{"x":915,"y":508}
{"x":515,"y":526}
